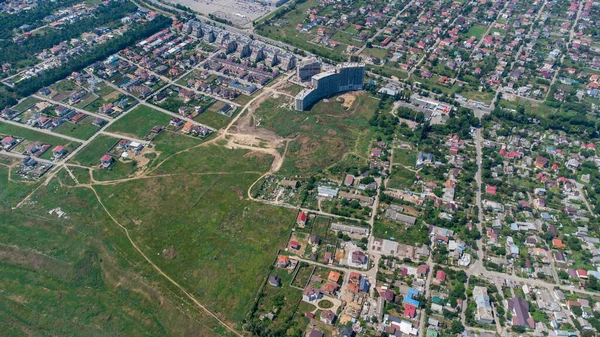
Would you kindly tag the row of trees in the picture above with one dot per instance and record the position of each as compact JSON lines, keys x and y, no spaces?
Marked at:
{"x":14,"y":52}
{"x":98,"y":53}
{"x":33,"y":17}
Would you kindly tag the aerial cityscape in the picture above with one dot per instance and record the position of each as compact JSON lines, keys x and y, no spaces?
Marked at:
{"x":302,"y":168}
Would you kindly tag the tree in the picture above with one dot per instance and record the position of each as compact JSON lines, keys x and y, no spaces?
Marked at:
{"x":518,"y":329}
{"x":563,"y":274}
{"x":457,"y":327}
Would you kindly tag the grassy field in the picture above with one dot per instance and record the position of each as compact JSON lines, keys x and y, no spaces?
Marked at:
{"x":476,"y":95}
{"x":477,"y":31}
{"x":218,"y":237}
{"x":405,"y":157}
{"x":32,"y":135}
{"x":322,"y":135}
{"x":211,"y":118}
{"x":138,"y":122}
{"x":390,"y":229}
{"x":11,"y":191}
{"x":78,"y":276}
{"x":376,"y":52}
{"x":82,"y":130}
{"x":90,"y":155}
{"x":214,"y":158}
{"x":401,"y":178}
{"x":26,"y":104}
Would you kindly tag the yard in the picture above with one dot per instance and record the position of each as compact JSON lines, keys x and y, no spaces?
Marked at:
{"x":477,"y":31}
{"x":90,"y":155}
{"x":139,"y":121}
{"x":82,"y":130}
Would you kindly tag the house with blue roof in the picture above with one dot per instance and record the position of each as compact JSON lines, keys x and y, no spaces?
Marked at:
{"x":410,"y":297}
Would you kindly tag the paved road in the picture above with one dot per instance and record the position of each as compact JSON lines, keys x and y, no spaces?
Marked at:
{"x":390,"y":23}
{"x":131,"y":139}
{"x":45,"y":131}
{"x":159,"y":108}
{"x":43,"y":98}
{"x":518,"y":54}
{"x":21,"y":156}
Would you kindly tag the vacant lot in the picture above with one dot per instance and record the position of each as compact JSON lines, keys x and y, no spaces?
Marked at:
{"x":404,"y":157}
{"x":90,"y":155}
{"x":77,"y":276}
{"x":477,"y":31}
{"x":401,"y":178}
{"x":214,"y":158}
{"x":322,"y":135}
{"x":82,"y":130}
{"x":224,"y":244}
{"x":139,"y":121}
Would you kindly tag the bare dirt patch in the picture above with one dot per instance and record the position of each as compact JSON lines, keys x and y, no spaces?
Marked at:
{"x":348,"y":99}
{"x":169,"y":253}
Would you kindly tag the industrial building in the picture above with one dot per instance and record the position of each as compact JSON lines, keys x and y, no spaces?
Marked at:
{"x":345,"y":77}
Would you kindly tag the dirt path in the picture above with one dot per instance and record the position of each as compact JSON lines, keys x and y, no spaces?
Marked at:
{"x":190,"y":296}
{"x":246,"y":136}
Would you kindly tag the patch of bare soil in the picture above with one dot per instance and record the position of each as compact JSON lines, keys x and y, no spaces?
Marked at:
{"x":169,"y":253}
{"x":348,"y":99}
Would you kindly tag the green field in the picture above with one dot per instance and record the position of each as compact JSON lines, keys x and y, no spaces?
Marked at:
{"x":214,"y":158}
{"x":82,"y":130}
{"x":405,"y":157}
{"x":79,"y":276}
{"x":90,"y":155}
{"x":219,"y":237}
{"x":139,"y":121}
{"x":216,"y":236}
{"x":376,"y":52}
{"x":32,"y":135}
{"x":12,"y":191}
{"x":477,"y":31}
{"x":401,"y":178}
{"x":390,"y":229}
{"x":213,"y":119}
{"x":322,"y":135}
{"x":26,"y":104}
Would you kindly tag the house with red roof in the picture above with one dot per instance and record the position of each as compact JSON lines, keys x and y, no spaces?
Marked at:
{"x":440,"y":275}
{"x":106,"y":161}
{"x":489,"y":189}
{"x":556,"y":242}
{"x":422,"y":269}
{"x":581,"y":273}
{"x":8,"y":141}
{"x":294,"y":245}
{"x":59,"y":151}
{"x":283,"y":261}
{"x":410,"y":310}
{"x":301,"y":219}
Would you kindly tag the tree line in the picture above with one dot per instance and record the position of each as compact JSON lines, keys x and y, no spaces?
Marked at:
{"x":33,"y":17}
{"x":97,"y":53}
{"x":15,"y":52}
